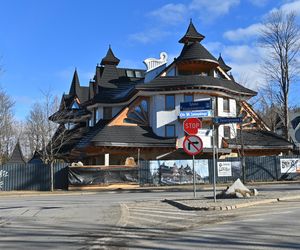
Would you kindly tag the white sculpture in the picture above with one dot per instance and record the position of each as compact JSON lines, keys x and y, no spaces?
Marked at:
{"x":153,"y":63}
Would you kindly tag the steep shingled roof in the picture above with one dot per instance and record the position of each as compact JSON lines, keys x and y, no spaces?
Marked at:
{"x":114,"y":85}
{"x":223,"y":65}
{"x":185,"y":81}
{"x":110,"y":58}
{"x":191,"y":35}
{"x":131,"y":136}
{"x":17,"y":155}
{"x":259,"y":139}
{"x":195,"y":51}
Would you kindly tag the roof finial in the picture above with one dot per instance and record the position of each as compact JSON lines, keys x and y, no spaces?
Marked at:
{"x":109,"y":46}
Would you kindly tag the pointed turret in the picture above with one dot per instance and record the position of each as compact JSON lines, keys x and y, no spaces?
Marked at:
{"x":223,"y":65}
{"x":110,"y":58}
{"x":191,"y":35}
{"x":75,"y":85}
{"x":17,"y":156}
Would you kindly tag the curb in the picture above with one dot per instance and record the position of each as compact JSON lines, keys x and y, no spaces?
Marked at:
{"x":21,"y":194}
{"x":229,"y":207}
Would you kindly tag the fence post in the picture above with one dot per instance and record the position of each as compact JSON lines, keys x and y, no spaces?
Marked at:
{"x":51,"y":177}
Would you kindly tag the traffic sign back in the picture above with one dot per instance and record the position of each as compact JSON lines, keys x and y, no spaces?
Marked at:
{"x":191,"y":125}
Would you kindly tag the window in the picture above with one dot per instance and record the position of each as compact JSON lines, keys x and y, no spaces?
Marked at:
{"x":139,"y":115}
{"x":170,"y":102}
{"x":226,"y":132}
{"x":69,"y":125}
{"x":226,"y":104}
{"x":129,"y":73}
{"x":170,"y":130}
{"x":91,"y":123}
{"x":75,"y":105}
{"x":97,"y":114}
{"x":188,"y":97}
{"x":107,"y":113}
{"x":138,"y":74}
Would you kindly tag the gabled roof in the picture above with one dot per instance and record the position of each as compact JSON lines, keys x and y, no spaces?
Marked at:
{"x":259,"y":139}
{"x":185,"y":81}
{"x":195,"y":51}
{"x":17,"y":155}
{"x":191,"y":35}
{"x":223,"y":65}
{"x":110,"y":58}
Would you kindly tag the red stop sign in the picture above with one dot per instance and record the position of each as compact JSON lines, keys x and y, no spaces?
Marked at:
{"x":191,"y":125}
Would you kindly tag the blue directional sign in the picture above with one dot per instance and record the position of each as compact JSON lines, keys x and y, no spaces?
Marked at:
{"x":198,"y":105}
{"x":224,"y":120}
{"x":195,"y":114}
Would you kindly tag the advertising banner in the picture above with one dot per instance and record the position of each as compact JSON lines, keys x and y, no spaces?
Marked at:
{"x":290,"y":166}
{"x":224,"y":169}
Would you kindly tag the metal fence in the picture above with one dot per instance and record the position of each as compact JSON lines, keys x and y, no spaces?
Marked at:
{"x":176,"y":172}
{"x":265,"y":168}
{"x":32,"y":177}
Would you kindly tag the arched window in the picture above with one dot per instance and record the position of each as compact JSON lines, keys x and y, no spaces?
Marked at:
{"x":139,"y":115}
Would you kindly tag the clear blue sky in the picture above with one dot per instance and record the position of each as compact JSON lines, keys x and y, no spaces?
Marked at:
{"x":42,"y":41}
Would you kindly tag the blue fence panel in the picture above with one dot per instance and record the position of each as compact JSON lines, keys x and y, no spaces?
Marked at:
{"x":32,"y":177}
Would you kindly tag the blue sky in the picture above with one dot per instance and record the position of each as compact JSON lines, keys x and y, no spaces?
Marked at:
{"x":41,"y":42}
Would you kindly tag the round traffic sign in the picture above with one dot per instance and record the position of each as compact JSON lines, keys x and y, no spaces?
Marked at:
{"x":192,"y":144}
{"x":191,"y":126}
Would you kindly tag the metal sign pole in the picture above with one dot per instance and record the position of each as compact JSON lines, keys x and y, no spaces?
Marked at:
{"x":214,"y":165}
{"x":194,"y":177}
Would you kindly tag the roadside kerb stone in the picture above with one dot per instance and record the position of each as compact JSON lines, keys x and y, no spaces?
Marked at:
{"x":293,"y":197}
{"x":229,"y":204}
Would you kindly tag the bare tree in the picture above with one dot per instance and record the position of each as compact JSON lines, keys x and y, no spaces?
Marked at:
{"x":39,"y":129}
{"x":7,"y":132}
{"x":280,"y":35}
{"x":268,"y":108}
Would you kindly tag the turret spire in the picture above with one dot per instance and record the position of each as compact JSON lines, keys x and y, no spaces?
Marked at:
{"x":222,"y":64}
{"x":75,"y":83}
{"x":110,"y":58}
{"x":191,"y":35}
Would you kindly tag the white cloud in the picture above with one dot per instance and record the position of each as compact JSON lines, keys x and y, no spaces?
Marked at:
{"x":214,"y":47}
{"x":245,"y":61}
{"x":212,"y":9}
{"x":248,"y":75}
{"x":290,"y":6}
{"x":171,"y":13}
{"x":243,"y":34}
{"x":152,"y":35}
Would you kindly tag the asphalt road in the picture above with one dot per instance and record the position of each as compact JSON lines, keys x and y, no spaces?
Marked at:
{"x":95,"y":221}
{"x":272,"y":226}
{"x":63,"y":221}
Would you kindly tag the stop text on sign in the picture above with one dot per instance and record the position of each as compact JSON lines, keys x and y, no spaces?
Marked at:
{"x":191,"y":126}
